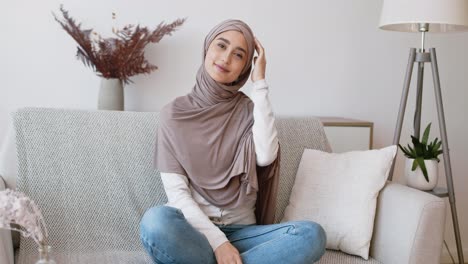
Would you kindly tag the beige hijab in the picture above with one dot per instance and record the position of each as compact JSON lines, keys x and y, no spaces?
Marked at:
{"x":206,"y":135}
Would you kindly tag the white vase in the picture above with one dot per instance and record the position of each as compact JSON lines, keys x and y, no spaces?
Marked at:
{"x":111,"y":95}
{"x":416,"y":178}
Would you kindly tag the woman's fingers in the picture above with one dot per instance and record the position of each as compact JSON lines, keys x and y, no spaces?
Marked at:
{"x":260,"y":50}
{"x":258,"y":43}
{"x":259,"y":62}
{"x":226,"y":253}
{"x":258,"y":46}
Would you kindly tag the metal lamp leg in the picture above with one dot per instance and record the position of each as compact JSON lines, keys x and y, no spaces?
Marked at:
{"x":419,"y":93}
{"x":446,"y":154}
{"x":401,"y":112}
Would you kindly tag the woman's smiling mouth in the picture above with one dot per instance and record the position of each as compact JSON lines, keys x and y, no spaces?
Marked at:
{"x":220,"y":68}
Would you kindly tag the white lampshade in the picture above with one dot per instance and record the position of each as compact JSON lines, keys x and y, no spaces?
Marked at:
{"x":441,"y":15}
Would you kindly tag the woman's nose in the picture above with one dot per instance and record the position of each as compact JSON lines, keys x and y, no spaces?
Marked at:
{"x":226,"y":57}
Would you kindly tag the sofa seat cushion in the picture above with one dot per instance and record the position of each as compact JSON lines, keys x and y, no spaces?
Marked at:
{"x":334,"y":256}
{"x":100,"y":257}
{"x":139,"y":257}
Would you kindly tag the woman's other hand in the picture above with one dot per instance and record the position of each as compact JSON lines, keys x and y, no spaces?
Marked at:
{"x":259,"y":62}
{"x":226,"y":253}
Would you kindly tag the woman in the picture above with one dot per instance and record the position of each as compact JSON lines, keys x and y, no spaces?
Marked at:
{"x":218,"y":154}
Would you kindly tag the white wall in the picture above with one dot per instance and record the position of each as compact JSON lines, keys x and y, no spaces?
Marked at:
{"x":324,"y":58}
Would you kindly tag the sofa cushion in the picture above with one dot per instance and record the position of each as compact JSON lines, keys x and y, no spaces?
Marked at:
{"x":101,"y":257}
{"x":295,"y":134}
{"x":125,"y":257}
{"x":91,"y":174}
{"x":339,"y":191}
{"x":334,"y":256}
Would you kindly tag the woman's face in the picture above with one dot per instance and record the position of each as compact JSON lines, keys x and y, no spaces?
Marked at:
{"x":226,"y":56}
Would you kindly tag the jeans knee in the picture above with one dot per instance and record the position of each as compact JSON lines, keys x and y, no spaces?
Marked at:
{"x":155,"y":221}
{"x":314,"y":236}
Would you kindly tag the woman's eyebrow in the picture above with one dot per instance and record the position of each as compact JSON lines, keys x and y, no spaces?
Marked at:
{"x":228,"y":42}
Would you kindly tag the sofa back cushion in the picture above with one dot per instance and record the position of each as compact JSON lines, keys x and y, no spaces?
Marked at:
{"x":91,"y":173}
{"x":295,"y":134}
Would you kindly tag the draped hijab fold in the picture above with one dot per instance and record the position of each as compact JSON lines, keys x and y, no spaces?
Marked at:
{"x":206,"y":135}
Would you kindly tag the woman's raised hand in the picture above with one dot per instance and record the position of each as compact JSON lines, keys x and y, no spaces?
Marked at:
{"x":259,"y":62}
{"x":226,"y":253}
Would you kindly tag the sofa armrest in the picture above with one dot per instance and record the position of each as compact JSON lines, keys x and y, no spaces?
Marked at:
{"x":6,"y":243}
{"x":9,"y":159}
{"x":409,"y":226}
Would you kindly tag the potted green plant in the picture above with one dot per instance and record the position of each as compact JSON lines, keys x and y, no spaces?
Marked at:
{"x":421,"y":169}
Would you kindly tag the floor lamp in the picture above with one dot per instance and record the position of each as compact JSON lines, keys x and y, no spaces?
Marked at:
{"x":423,"y":16}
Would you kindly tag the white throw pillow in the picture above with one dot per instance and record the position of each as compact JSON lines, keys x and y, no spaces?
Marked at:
{"x":339,"y":191}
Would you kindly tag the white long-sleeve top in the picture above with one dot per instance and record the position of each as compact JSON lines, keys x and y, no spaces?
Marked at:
{"x":200,"y":213}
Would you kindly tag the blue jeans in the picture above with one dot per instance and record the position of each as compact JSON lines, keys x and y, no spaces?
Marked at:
{"x":169,"y":238}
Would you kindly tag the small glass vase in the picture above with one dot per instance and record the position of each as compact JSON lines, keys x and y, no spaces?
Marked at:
{"x":45,"y":255}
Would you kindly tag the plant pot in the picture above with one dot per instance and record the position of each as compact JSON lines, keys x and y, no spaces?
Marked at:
{"x":416,"y":178}
{"x":111,"y":95}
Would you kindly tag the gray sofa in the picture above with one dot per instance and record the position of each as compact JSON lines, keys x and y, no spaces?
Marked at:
{"x":91,"y":174}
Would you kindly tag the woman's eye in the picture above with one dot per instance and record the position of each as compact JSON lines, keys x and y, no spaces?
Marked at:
{"x":221,"y":45}
{"x":239,"y":55}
